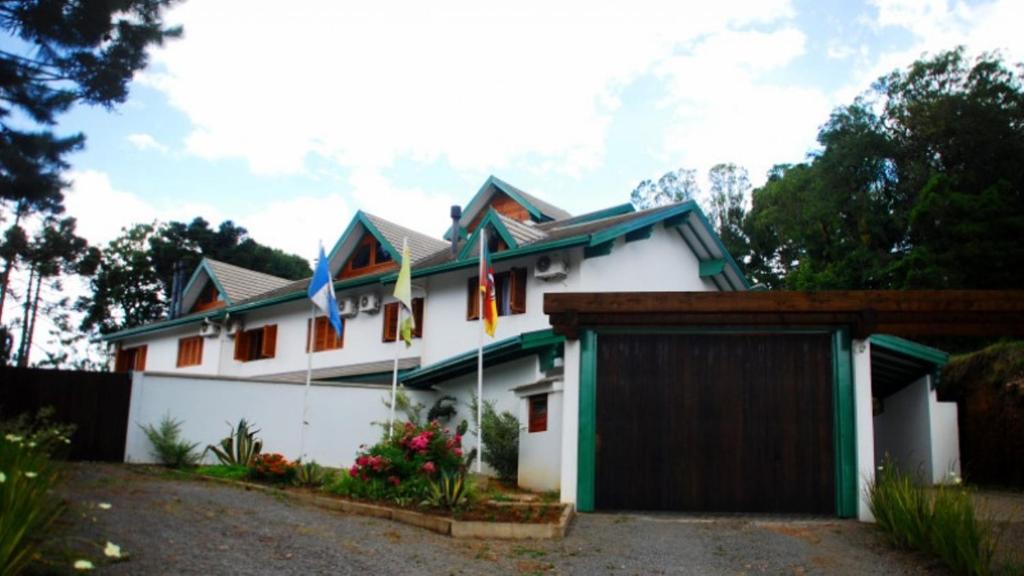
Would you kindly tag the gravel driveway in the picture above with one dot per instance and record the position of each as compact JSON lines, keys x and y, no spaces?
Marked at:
{"x":172,"y":526}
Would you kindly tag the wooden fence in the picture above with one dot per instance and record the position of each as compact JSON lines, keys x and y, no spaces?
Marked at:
{"x":96,"y":403}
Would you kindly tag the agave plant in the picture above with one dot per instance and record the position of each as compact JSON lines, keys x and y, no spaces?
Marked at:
{"x":449,"y":489}
{"x":240,"y":448}
{"x":310,"y":474}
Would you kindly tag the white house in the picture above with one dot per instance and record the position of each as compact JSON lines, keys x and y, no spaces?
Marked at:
{"x":240,"y":349}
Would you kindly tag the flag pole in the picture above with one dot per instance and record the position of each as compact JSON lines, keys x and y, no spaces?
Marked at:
{"x":480,"y":363}
{"x":398,"y":349}
{"x":309,"y":379}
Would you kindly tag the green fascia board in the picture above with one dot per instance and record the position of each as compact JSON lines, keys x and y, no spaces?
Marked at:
{"x":495,"y":353}
{"x":448,"y":234}
{"x":910,"y":348}
{"x":497,"y":183}
{"x":490,"y":219}
{"x":718,"y":241}
{"x":648,"y":220}
{"x":164,"y":325}
{"x":204,"y":265}
{"x":712,"y":267}
{"x":360,"y":218}
{"x":618,"y":210}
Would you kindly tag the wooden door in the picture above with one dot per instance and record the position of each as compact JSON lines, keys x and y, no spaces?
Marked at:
{"x":715,"y":423}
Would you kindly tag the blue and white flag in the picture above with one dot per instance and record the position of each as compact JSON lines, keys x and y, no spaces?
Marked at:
{"x":321,"y":292}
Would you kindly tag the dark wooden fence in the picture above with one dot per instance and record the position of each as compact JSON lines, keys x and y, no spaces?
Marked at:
{"x":95,"y":402}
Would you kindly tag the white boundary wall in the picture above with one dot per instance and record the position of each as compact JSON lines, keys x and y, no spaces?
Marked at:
{"x":340,"y":416}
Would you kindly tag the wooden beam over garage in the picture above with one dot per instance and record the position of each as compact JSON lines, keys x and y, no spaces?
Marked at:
{"x":900,"y":313}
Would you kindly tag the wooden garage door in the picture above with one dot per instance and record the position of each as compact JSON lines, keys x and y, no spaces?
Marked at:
{"x":715,"y":423}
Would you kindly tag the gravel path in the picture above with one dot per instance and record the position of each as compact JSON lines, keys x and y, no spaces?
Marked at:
{"x":171,"y":526}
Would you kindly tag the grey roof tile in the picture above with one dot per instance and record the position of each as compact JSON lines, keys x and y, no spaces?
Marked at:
{"x":242,"y":283}
{"x":420,"y":245}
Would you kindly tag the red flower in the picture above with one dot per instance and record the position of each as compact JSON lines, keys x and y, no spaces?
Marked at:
{"x":353,"y":471}
{"x":429,"y":468}
{"x":394,"y":481}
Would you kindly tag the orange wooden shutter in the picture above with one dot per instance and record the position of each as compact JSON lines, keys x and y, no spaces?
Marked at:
{"x":390,"y":332}
{"x":241,"y":343}
{"x":269,"y":348}
{"x":140,"y":358}
{"x":417,"y":316}
{"x":197,"y":353}
{"x":473,"y":298}
{"x":517,"y":297}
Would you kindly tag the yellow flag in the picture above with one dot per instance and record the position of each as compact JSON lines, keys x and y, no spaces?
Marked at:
{"x":403,"y":292}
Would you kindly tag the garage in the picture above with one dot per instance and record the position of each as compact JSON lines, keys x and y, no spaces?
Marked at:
{"x":715,"y":422}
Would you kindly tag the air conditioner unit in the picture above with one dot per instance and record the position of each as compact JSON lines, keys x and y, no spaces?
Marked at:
{"x":347,"y":307}
{"x":209,"y":329}
{"x":369,"y":303}
{"x":233,"y":328}
{"x":550,"y":268}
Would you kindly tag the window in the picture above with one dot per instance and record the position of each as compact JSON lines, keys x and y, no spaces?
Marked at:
{"x":538,"y":412}
{"x":369,"y":256}
{"x":324,"y":336}
{"x":256,"y":344}
{"x":190,"y":351}
{"x":389,"y":332}
{"x":509,"y":293}
{"x":128,"y":359}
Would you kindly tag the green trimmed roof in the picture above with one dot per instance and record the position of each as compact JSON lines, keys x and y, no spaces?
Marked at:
{"x":233,"y":282}
{"x":525,"y":344}
{"x":594,"y":232}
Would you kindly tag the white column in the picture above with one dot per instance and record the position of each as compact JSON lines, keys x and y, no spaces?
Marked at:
{"x":865,"y":425}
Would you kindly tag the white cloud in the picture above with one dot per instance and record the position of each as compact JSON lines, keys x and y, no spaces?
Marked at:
{"x":101,"y":210}
{"x":479,"y":87}
{"x":146,"y":142}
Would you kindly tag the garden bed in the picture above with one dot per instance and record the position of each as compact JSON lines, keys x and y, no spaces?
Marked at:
{"x":505,"y":520}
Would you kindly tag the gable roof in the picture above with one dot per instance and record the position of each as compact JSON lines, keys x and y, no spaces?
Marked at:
{"x":233,"y":282}
{"x":540,"y":210}
{"x":389,"y":234}
{"x":594,"y":232}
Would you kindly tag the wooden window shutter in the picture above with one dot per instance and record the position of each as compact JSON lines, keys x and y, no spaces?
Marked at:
{"x":417,"y":316}
{"x":241,"y":344}
{"x":473,"y":298}
{"x":390,"y":333}
{"x":538,"y":418}
{"x":269,"y":348}
{"x":140,"y":358}
{"x":517,"y":297}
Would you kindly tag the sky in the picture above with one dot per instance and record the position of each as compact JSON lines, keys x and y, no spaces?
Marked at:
{"x":287,"y":122}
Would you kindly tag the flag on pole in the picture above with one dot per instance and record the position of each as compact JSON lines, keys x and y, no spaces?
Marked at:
{"x":321,"y":292}
{"x":489,"y":314}
{"x":403,"y":293}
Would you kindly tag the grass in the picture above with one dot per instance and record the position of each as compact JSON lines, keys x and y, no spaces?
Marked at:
{"x":943,"y":523}
{"x":227,"y":471}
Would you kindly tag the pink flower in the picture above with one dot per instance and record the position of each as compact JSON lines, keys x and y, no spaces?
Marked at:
{"x":420,"y":442}
{"x":361,"y":461}
{"x":429,"y":468}
{"x":394,"y":480}
{"x":353,"y":471}
{"x":458,"y":452}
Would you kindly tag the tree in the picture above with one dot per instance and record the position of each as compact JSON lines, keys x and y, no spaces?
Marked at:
{"x":134,"y":280}
{"x":675,"y":186}
{"x":918,"y":185}
{"x":726,"y":209}
{"x":59,"y":53}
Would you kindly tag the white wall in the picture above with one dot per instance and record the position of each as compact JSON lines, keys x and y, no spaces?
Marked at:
{"x":865,"y":429}
{"x":903,"y":430}
{"x":540,"y":453}
{"x":662,"y":262}
{"x":570,"y":421}
{"x":340,"y":417}
{"x":945,"y":439}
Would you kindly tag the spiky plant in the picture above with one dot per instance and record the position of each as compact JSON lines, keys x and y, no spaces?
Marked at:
{"x":240,"y":447}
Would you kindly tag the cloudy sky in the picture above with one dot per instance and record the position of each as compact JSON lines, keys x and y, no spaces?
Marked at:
{"x":288,"y":119}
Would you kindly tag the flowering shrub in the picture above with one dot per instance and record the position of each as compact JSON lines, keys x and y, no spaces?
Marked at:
{"x":402,"y":468}
{"x":273,"y":467}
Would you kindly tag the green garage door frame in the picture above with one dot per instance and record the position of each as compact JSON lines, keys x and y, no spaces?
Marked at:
{"x":844,"y":421}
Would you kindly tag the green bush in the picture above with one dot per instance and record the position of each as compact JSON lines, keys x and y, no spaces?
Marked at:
{"x":942,"y":523}
{"x":240,"y":447}
{"x":168,"y":447}
{"x":27,"y":503}
{"x":501,"y":441}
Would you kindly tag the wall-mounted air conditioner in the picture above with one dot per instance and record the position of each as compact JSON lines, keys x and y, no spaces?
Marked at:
{"x":369,"y":303}
{"x":347,"y":307}
{"x":209,"y":329}
{"x":550,"y":267}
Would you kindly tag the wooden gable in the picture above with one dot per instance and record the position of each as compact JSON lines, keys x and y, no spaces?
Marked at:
{"x":368,"y":257}
{"x":208,"y":299}
{"x":502,"y":204}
